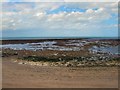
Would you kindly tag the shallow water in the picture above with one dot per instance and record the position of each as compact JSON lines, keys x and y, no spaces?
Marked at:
{"x":108,"y":49}
{"x":70,"y":45}
{"x":49,"y":45}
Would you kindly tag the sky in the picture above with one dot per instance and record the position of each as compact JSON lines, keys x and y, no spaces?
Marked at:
{"x":59,"y":19}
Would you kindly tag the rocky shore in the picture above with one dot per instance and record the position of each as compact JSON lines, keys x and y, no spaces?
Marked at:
{"x":76,"y":62}
{"x":66,"y":52}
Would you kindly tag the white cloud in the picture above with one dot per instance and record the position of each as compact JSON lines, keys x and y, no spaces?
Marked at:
{"x":61,"y":1}
{"x":36,"y":17}
{"x":91,"y":1}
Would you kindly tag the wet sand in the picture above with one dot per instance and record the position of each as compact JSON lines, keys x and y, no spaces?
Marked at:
{"x":27,"y":76}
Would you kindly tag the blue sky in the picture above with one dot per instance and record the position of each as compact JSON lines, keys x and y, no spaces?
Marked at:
{"x":33,"y":19}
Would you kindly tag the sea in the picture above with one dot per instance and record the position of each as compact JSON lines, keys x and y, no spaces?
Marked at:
{"x":32,"y":38}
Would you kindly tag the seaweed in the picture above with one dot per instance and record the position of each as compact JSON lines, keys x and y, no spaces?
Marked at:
{"x":76,"y":61}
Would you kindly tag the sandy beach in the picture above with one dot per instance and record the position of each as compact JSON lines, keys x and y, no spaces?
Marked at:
{"x":24,"y":76}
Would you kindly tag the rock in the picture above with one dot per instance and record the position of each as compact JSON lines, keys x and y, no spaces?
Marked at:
{"x":21,"y":63}
{"x":16,"y":53}
{"x":80,"y":64}
{"x":45,"y":64}
{"x":68,"y":64}
{"x":15,"y":61}
{"x":3,"y":55}
{"x":55,"y":54}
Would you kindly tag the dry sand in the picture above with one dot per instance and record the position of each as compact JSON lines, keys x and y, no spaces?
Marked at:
{"x":27,"y":76}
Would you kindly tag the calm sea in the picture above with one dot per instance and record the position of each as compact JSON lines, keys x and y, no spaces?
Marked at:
{"x":30,"y":38}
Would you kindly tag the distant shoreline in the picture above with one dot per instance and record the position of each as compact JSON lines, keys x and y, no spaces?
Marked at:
{"x":34,"y":40}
